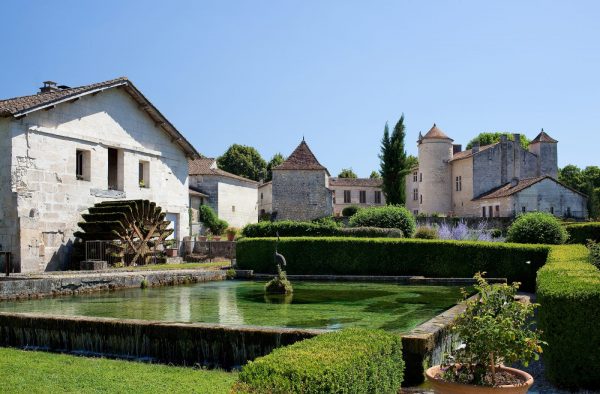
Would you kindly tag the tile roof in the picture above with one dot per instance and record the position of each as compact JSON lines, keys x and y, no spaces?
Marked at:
{"x":208,"y":166}
{"x":436,"y":133}
{"x":301,"y":158}
{"x":194,"y":191}
{"x":508,"y":189}
{"x":543,"y":137}
{"x":21,"y":106}
{"x":364,"y":182}
{"x":469,"y":152}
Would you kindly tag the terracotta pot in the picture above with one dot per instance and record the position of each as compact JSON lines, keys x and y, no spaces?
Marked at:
{"x":217,"y":238}
{"x":171,"y":252}
{"x":230,"y":237}
{"x":202,"y":238}
{"x":442,"y":387}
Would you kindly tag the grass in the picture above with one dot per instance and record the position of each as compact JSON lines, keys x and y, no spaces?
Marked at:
{"x":40,"y":372}
{"x":189,"y":266}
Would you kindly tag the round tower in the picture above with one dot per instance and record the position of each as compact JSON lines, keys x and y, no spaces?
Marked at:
{"x":435,"y":172}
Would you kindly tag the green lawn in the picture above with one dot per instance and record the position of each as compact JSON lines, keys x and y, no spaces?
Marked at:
{"x":153,"y":267}
{"x":40,"y":372}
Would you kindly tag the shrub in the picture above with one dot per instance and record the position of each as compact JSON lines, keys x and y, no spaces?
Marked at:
{"x":289,"y":228}
{"x":384,"y":256}
{"x":209,"y":218}
{"x":568,"y":291}
{"x":425,"y":232}
{"x":580,"y":233}
{"x":390,"y":216}
{"x":348,"y":361}
{"x":350,"y":210}
{"x":326,"y":221}
{"x":537,"y":228}
{"x":594,"y":249}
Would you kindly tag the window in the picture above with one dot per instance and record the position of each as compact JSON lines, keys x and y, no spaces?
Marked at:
{"x":523,"y":209}
{"x":497,"y":211}
{"x":82,"y":165}
{"x":415,"y":194}
{"x":421,"y":177}
{"x":491,"y":211}
{"x":261,"y":196}
{"x":347,"y":196}
{"x":115,"y":169}
{"x":144,"y":173}
{"x":416,"y":212}
{"x":415,"y":178}
{"x":568,"y":212}
{"x":362,"y":196}
{"x":421,"y":201}
{"x":233,"y":208}
{"x":459,"y":183}
{"x":483,"y":212}
{"x":552,"y":210}
{"x":377,"y":197}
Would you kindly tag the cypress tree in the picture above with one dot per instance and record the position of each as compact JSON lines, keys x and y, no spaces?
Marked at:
{"x":395,"y":164}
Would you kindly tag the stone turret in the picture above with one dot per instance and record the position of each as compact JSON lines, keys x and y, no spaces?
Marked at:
{"x":435,"y":178}
{"x":545,"y":147}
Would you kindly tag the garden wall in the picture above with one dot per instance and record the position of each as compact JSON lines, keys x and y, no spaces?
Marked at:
{"x":360,"y":256}
{"x":568,"y":291}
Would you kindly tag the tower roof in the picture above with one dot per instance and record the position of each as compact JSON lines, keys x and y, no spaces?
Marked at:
{"x":543,"y":137}
{"x":436,"y":133}
{"x":301,"y":158}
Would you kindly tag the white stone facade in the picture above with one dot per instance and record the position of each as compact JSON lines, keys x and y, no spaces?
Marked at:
{"x":371,"y":195}
{"x":265,"y":198}
{"x":42,"y":198}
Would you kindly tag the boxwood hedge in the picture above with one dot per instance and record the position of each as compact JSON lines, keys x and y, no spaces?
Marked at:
{"x":291,"y":228}
{"x":348,"y":361}
{"x":568,"y":291}
{"x":386,"y":256}
{"x":579,"y":233}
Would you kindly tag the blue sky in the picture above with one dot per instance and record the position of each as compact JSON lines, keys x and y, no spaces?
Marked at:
{"x":267,"y":73}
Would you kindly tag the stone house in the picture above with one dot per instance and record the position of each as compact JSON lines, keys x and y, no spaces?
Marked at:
{"x":301,"y":187}
{"x":66,"y":149}
{"x":362,"y":192}
{"x":265,"y":198}
{"x":232,"y":197}
{"x":498,"y":180}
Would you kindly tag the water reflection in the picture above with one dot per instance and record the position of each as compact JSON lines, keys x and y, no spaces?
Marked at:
{"x":228,"y":310}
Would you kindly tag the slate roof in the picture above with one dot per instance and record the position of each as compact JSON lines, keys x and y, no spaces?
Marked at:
{"x":208,"y":166}
{"x":359,"y":182}
{"x":508,"y":190}
{"x":436,"y":133}
{"x":301,"y":158}
{"x":21,"y":106}
{"x":543,"y":137}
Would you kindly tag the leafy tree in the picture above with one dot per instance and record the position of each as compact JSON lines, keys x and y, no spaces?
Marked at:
{"x":244,"y":161}
{"x":492,"y":138}
{"x":572,"y":176}
{"x":375,"y":175}
{"x":347,"y":173}
{"x":585,"y":181}
{"x":395,"y":164}
{"x":276,"y":160}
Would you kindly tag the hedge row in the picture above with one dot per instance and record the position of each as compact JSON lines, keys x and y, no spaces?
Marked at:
{"x":347,"y":361}
{"x":290,"y":228}
{"x":579,"y":233}
{"x":568,"y":291}
{"x":361,"y":256}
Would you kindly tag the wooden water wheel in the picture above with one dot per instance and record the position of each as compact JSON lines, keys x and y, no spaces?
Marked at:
{"x":137,"y":226}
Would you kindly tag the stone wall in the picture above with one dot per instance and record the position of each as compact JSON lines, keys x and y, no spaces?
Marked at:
{"x":9,"y":235}
{"x":265,"y":198}
{"x":301,"y":194}
{"x":338,"y":192}
{"x":49,"y":197}
{"x":412,"y":203}
{"x":547,"y":195}
{"x":462,"y":204}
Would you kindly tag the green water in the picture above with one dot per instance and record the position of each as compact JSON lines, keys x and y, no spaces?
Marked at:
{"x":397,"y":308}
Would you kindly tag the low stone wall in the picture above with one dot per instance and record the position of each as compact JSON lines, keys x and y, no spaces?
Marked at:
{"x":209,"y":345}
{"x":26,"y":286}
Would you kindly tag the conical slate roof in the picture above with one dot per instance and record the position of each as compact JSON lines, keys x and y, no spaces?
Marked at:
{"x":543,"y":137}
{"x":301,"y":158}
{"x":436,"y":133}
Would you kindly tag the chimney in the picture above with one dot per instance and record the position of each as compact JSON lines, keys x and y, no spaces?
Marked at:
{"x":475,"y":147}
{"x":517,"y":138}
{"x":49,"y":86}
{"x":503,"y":138}
{"x":456,"y":148}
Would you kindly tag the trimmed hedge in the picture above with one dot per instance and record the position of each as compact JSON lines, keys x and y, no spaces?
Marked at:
{"x":362,"y":256}
{"x":347,"y":361}
{"x":568,"y":291}
{"x":579,"y":233}
{"x":290,"y":228}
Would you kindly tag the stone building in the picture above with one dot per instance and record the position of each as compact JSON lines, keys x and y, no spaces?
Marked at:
{"x":497,"y":180}
{"x":265,"y":198}
{"x":232,"y":197}
{"x":301,"y":187}
{"x":362,"y":192}
{"x":66,"y":149}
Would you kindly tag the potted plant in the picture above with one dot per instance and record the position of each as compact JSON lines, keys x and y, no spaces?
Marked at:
{"x":171,"y":248}
{"x":495,"y":330}
{"x":231,"y":233}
